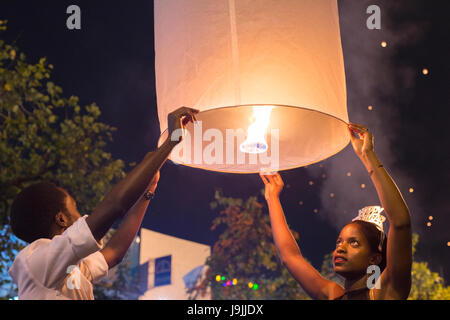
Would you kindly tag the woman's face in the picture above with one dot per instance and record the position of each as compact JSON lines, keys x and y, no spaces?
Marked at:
{"x":352,"y":255}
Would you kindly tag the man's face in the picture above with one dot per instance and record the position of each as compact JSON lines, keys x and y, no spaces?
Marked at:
{"x":352,"y":254}
{"x":72,"y":211}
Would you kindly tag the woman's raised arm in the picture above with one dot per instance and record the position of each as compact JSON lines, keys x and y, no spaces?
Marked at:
{"x":316,"y":286}
{"x":396,"y":278}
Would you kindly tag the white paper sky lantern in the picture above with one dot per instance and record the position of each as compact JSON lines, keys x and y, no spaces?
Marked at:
{"x":276,"y":65}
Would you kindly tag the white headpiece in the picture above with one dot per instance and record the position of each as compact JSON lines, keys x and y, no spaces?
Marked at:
{"x":373,"y":215}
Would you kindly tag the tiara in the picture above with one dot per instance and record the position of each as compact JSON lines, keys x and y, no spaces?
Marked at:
{"x":373,"y":215}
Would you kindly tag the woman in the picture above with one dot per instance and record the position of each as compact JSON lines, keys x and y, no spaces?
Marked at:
{"x":359,"y":244}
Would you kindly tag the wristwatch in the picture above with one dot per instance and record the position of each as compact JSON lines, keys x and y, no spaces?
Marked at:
{"x":149,"y":195}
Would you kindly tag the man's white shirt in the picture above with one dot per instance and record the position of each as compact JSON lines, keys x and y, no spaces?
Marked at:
{"x":63,"y":268}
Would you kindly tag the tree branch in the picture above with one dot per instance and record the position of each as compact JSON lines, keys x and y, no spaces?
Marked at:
{"x":19,"y":181}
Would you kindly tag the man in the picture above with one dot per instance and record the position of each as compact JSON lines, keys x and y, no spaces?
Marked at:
{"x":65,"y":253}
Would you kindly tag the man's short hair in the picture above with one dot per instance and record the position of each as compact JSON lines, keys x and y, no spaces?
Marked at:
{"x":33,"y":211}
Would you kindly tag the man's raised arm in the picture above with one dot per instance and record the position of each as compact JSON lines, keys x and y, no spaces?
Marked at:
{"x":125,"y":194}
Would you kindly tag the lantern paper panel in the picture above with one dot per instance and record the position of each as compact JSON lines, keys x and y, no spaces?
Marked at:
{"x":231,"y":58}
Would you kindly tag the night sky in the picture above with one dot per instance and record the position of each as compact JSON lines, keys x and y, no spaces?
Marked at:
{"x":110,"y":61}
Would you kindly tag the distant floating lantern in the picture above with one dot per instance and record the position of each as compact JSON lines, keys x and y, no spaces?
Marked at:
{"x":349,"y":174}
{"x":384,"y":44}
{"x":300,"y":203}
{"x":370,"y":108}
{"x":430,"y":217}
{"x":429,"y":224}
{"x":448,"y":244}
{"x":267,"y":76}
{"x":311,"y":183}
{"x":315,"y":210}
{"x":332,"y":195}
{"x":411,"y":190}
{"x":425,"y":71}
{"x":363,"y":186}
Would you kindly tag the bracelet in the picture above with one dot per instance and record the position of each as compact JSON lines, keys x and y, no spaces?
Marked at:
{"x":149,"y":195}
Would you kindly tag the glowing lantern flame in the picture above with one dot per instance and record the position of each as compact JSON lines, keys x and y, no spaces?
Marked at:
{"x":256,"y":141}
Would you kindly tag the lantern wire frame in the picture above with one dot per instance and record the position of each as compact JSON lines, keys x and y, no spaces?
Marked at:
{"x":202,"y":114}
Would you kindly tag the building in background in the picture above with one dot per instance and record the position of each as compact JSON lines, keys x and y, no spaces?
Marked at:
{"x":156,"y":267}
{"x":173,"y":265}
{"x":164,"y":267}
